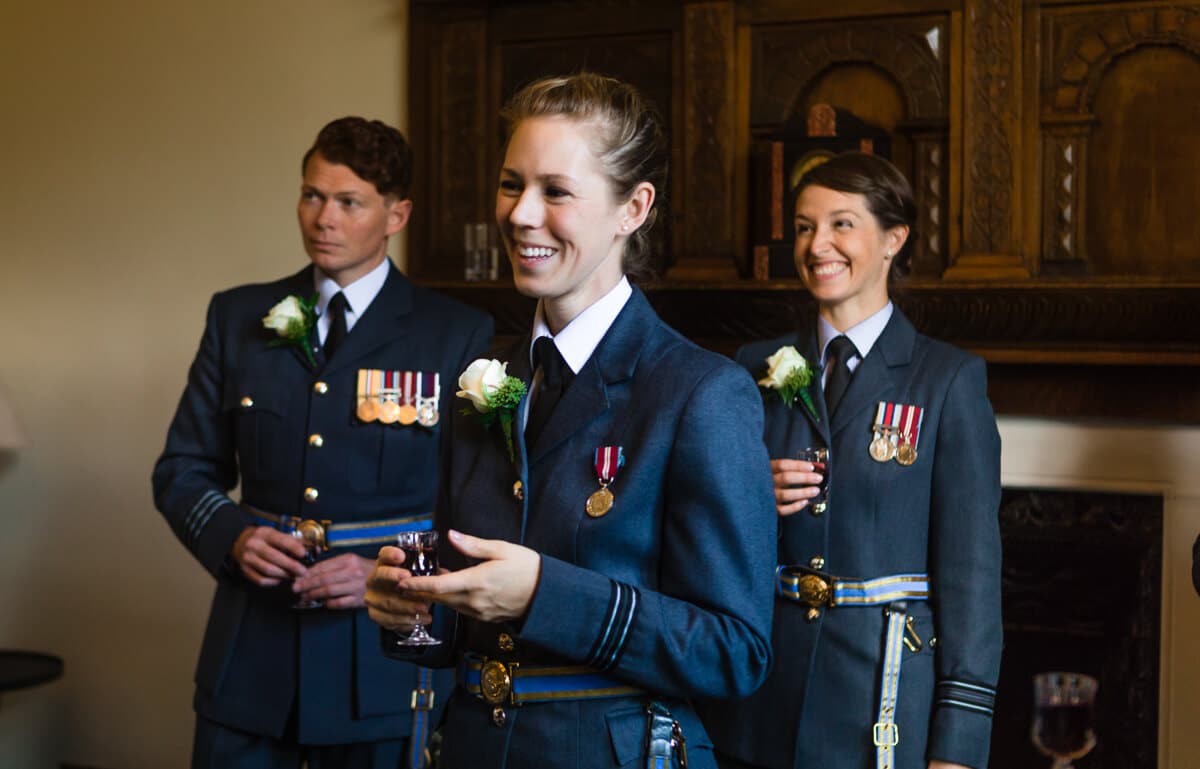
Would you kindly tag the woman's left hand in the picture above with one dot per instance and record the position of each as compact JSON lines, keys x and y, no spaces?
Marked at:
{"x":497,"y":590}
{"x":946,"y":765}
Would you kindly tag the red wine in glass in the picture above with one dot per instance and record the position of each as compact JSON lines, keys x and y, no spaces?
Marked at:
{"x":420,"y":558}
{"x":820,"y":462}
{"x":1062,"y":716}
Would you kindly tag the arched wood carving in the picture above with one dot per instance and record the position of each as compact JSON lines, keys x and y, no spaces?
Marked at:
{"x":1081,"y":49}
{"x":789,"y":59}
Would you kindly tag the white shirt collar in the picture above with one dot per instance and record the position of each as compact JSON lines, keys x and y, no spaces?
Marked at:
{"x":359,"y":295}
{"x":864,"y":334}
{"x":579,"y":339}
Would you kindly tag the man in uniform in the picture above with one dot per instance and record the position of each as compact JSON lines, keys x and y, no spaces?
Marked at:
{"x":323,"y":394}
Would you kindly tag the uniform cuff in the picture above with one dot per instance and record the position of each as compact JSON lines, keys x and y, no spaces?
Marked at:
{"x":962,"y":723}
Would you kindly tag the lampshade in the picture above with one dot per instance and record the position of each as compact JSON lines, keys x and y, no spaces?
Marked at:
{"x":12,"y":436}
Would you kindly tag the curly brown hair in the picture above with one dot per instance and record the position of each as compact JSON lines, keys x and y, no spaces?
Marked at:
{"x":378,"y":153}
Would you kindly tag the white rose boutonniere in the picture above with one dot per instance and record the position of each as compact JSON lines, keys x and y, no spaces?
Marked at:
{"x":789,"y":374}
{"x":292,"y":319}
{"x":494,"y":394}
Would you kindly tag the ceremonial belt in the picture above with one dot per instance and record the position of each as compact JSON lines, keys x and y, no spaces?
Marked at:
{"x":326,"y":534}
{"x":421,"y":704}
{"x":817,"y":589}
{"x":511,"y":683}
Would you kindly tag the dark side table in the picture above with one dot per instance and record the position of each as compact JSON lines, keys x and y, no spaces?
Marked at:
{"x":20,"y":669}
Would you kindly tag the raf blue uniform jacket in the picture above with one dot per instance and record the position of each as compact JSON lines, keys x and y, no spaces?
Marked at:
{"x":938,"y":516}
{"x":665,"y":592}
{"x":246,"y":416}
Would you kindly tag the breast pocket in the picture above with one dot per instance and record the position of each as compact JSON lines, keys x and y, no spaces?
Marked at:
{"x":259,"y":413}
{"x":393,"y":459}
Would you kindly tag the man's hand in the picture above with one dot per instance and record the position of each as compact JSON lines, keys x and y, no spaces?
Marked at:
{"x":268,"y":557}
{"x":340,"y":582}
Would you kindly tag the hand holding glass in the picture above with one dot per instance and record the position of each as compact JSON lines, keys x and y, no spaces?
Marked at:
{"x":820,"y":462}
{"x":1062,"y":716}
{"x":420,"y":558}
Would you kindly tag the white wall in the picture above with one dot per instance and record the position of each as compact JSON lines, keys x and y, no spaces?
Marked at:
{"x":149,"y":155}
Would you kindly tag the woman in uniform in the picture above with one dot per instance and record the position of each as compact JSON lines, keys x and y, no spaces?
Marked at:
{"x":887,"y":630}
{"x":607,"y":530}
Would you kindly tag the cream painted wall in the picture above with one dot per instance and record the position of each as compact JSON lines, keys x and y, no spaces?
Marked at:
{"x":149,"y":156}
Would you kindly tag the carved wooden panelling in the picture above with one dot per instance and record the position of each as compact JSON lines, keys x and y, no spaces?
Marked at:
{"x":460,"y":140}
{"x":990,"y":134}
{"x":1115,"y":79}
{"x":709,"y":129}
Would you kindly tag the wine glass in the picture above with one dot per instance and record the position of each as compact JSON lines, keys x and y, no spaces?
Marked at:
{"x":820,"y":460}
{"x":1062,"y":716}
{"x":420,"y":558}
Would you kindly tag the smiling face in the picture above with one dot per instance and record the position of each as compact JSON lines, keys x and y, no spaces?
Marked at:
{"x":843,"y":255}
{"x":556,"y":213}
{"x":344,"y":221}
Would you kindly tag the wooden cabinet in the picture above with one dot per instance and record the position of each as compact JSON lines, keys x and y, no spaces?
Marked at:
{"x":1049,"y":144}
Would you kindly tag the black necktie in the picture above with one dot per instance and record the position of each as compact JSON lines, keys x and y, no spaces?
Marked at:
{"x":337,"y":324}
{"x":556,"y":375}
{"x":838,"y":356}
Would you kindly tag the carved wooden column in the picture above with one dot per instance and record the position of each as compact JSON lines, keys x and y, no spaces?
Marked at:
{"x":991,"y":184}
{"x":706,"y":248}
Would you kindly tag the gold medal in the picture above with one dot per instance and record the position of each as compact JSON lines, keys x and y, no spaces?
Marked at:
{"x":368,"y":410}
{"x":906,"y":454}
{"x":881,"y":448}
{"x":406,"y":414}
{"x":389,"y":412}
{"x":600,"y":502}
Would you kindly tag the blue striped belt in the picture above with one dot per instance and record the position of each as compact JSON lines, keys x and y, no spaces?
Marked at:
{"x":326,"y":534}
{"x":511,"y":683}
{"x":817,"y":590}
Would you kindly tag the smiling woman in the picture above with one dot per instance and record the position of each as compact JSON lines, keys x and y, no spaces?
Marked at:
{"x":583,"y":597}
{"x":913,"y":488}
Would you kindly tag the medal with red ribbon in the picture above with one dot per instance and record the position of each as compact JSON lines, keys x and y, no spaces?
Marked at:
{"x":910,"y":431}
{"x":609,"y":459}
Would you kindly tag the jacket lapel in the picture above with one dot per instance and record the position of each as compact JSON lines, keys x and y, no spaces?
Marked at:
{"x":380,"y":325}
{"x":613,"y":361}
{"x":300,"y":285}
{"x":878,"y":374}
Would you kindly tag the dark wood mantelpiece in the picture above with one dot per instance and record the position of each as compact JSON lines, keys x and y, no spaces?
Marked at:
{"x":1054,"y":348}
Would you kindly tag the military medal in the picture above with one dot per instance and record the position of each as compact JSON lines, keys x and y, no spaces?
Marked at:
{"x":912,"y":417}
{"x":369,"y":382}
{"x":427,"y":404}
{"x":608,"y":460}
{"x":406,"y":414}
{"x":887,"y":420}
{"x":389,"y":408}
{"x":881,"y":448}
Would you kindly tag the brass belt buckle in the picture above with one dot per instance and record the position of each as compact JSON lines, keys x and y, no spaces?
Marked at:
{"x":814,"y":590}
{"x":495,"y":682}
{"x":312,"y":533}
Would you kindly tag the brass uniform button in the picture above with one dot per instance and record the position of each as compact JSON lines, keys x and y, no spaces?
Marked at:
{"x":816,"y":562}
{"x":316,"y":441}
{"x":505,"y":642}
{"x":499,"y":716}
{"x":247,"y":402}
{"x":518,"y":491}
{"x":311,"y":494}
{"x":812,"y":614}
{"x":816,"y":510}
{"x":320,"y":388}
